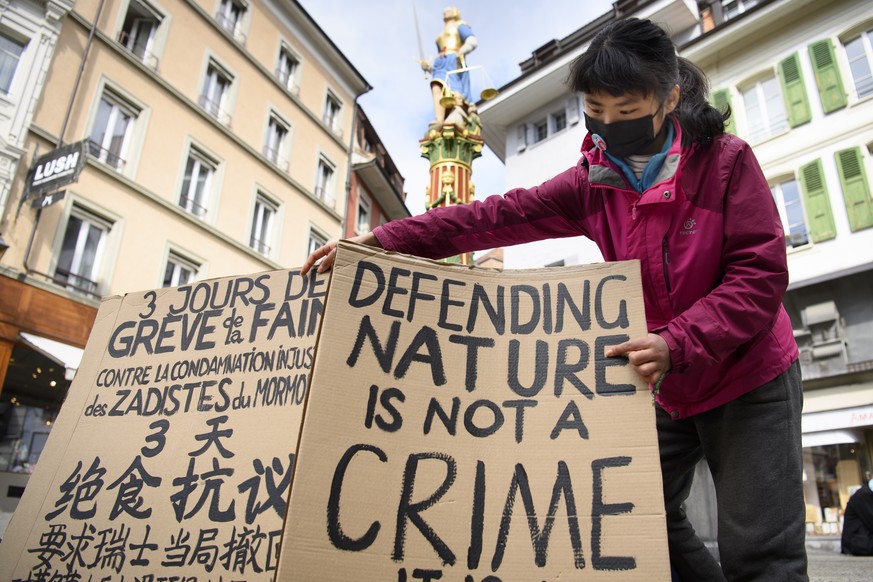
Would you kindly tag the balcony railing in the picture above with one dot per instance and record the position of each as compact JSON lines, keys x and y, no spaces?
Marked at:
{"x":286,"y":79}
{"x":337,"y":129}
{"x":106,"y":156}
{"x":75,"y":282}
{"x":796,"y":239}
{"x":147,"y":58}
{"x":192,"y":206}
{"x":272,"y":154}
{"x":214,"y":109}
{"x":260,"y":246}
{"x":231,"y":26}
{"x":323,"y":194}
{"x":332,"y":121}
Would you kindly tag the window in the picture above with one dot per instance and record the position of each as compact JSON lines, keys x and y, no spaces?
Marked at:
{"x":791,"y":211}
{"x":179,"y":271}
{"x":733,"y":8}
{"x":112,"y":131}
{"x":559,"y":121}
{"x":230,"y":17}
{"x":332,"y":107}
{"x":859,"y":52}
{"x":275,"y":141}
{"x":262,"y":224}
{"x":541,"y":130}
{"x":82,"y":249}
{"x":572,"y":109}
{"x":765,"y":109}
{"x":286,"y":70}
{"x":10,"y":55}
{"x":139,"y":30}
{"x":316,"y":240}
{"x":197,"y":183}
{"x":365,"y":212}
{"x":324,"y":182}
{"x":216,"y":88}
{"x":521,"y":134}
{"x":833,"y":470}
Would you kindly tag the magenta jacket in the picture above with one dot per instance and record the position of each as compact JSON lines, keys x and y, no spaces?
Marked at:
{"x":710,"y":244}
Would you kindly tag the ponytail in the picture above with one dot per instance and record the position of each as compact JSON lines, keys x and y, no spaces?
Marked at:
{"x":700,"y":121}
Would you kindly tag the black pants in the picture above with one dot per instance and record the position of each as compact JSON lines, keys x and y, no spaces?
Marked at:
{"x":753,"y":449}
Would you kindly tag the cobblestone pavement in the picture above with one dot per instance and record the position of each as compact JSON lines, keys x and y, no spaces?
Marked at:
{"x":827,"y":566}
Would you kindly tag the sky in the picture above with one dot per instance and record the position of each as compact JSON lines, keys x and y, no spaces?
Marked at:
{"x":379,"y":38}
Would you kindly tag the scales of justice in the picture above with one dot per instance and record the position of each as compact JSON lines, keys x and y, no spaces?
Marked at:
{"x":453,"y":140}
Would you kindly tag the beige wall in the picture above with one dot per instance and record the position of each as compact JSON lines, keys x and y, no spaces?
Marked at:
{"x":142,"y":198}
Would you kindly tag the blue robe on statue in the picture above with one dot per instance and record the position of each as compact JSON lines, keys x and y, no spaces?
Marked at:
{"x":442,"y":65}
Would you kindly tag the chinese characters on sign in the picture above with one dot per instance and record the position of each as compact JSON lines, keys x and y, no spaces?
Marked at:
{"x":176,"y":459}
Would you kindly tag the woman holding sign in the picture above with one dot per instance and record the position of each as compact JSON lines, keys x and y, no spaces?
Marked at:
{"x":659,"y":181}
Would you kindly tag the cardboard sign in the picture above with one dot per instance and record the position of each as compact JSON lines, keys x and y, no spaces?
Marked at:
{"x":172,"y":457}
{"x":465,"y":425}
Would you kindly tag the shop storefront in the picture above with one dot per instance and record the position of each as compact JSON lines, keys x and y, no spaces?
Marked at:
{"x":42,"y":334}
{"x":837,"y":454}
{"x":37,"y":379}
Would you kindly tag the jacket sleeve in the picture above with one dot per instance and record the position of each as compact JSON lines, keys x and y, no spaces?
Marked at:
{"x":550,"y":210}
{"x":753,"y":262}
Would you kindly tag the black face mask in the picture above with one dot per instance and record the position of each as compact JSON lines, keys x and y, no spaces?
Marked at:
{"x":622,"y":138}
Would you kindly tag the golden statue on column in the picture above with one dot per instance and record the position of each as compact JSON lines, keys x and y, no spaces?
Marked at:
{"x":453,"y":139}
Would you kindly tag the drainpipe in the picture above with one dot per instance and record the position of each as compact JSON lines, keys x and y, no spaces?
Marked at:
{"x":82,"y":64}
{"x":79,"y":74}
{"x":355,"y":106}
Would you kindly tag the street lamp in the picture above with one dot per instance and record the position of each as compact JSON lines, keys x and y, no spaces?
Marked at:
{"x":4,"y":246}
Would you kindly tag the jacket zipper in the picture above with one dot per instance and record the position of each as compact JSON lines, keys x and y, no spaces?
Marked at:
{"x":665,"y":251}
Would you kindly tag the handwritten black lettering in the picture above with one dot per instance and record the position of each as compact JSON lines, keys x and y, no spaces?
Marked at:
{"x":599,"y":509}
{"x":601,"y":363}
{"x":337,"y":536}
{"x":540,"y":369}
{"x":520,"y":485}
{"x":408,"y":510}
{"x":386,"y":398}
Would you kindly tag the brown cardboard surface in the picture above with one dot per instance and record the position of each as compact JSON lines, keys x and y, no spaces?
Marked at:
{"x":464,"y":424}
{"x":173,"y":453}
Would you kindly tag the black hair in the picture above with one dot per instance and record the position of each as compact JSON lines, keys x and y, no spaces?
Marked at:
{"x":637,"y":56}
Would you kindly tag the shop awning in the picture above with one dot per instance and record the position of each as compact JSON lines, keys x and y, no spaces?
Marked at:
{"x":64,"y":354}
{"x":831,"y":437}
{"x":840,"y":419}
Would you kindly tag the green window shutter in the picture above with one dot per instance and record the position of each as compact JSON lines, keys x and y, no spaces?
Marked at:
{"x":856,"y":192}
{"x":827,"y":75}
{"x":721,"y":99}
{"x":816,"y":202}
{"x":794,"y":91}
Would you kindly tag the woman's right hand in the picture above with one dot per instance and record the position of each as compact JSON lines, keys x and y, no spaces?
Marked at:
{"x":325,"y":256}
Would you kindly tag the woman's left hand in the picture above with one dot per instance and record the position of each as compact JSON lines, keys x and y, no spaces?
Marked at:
{"x":649,"y":356}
